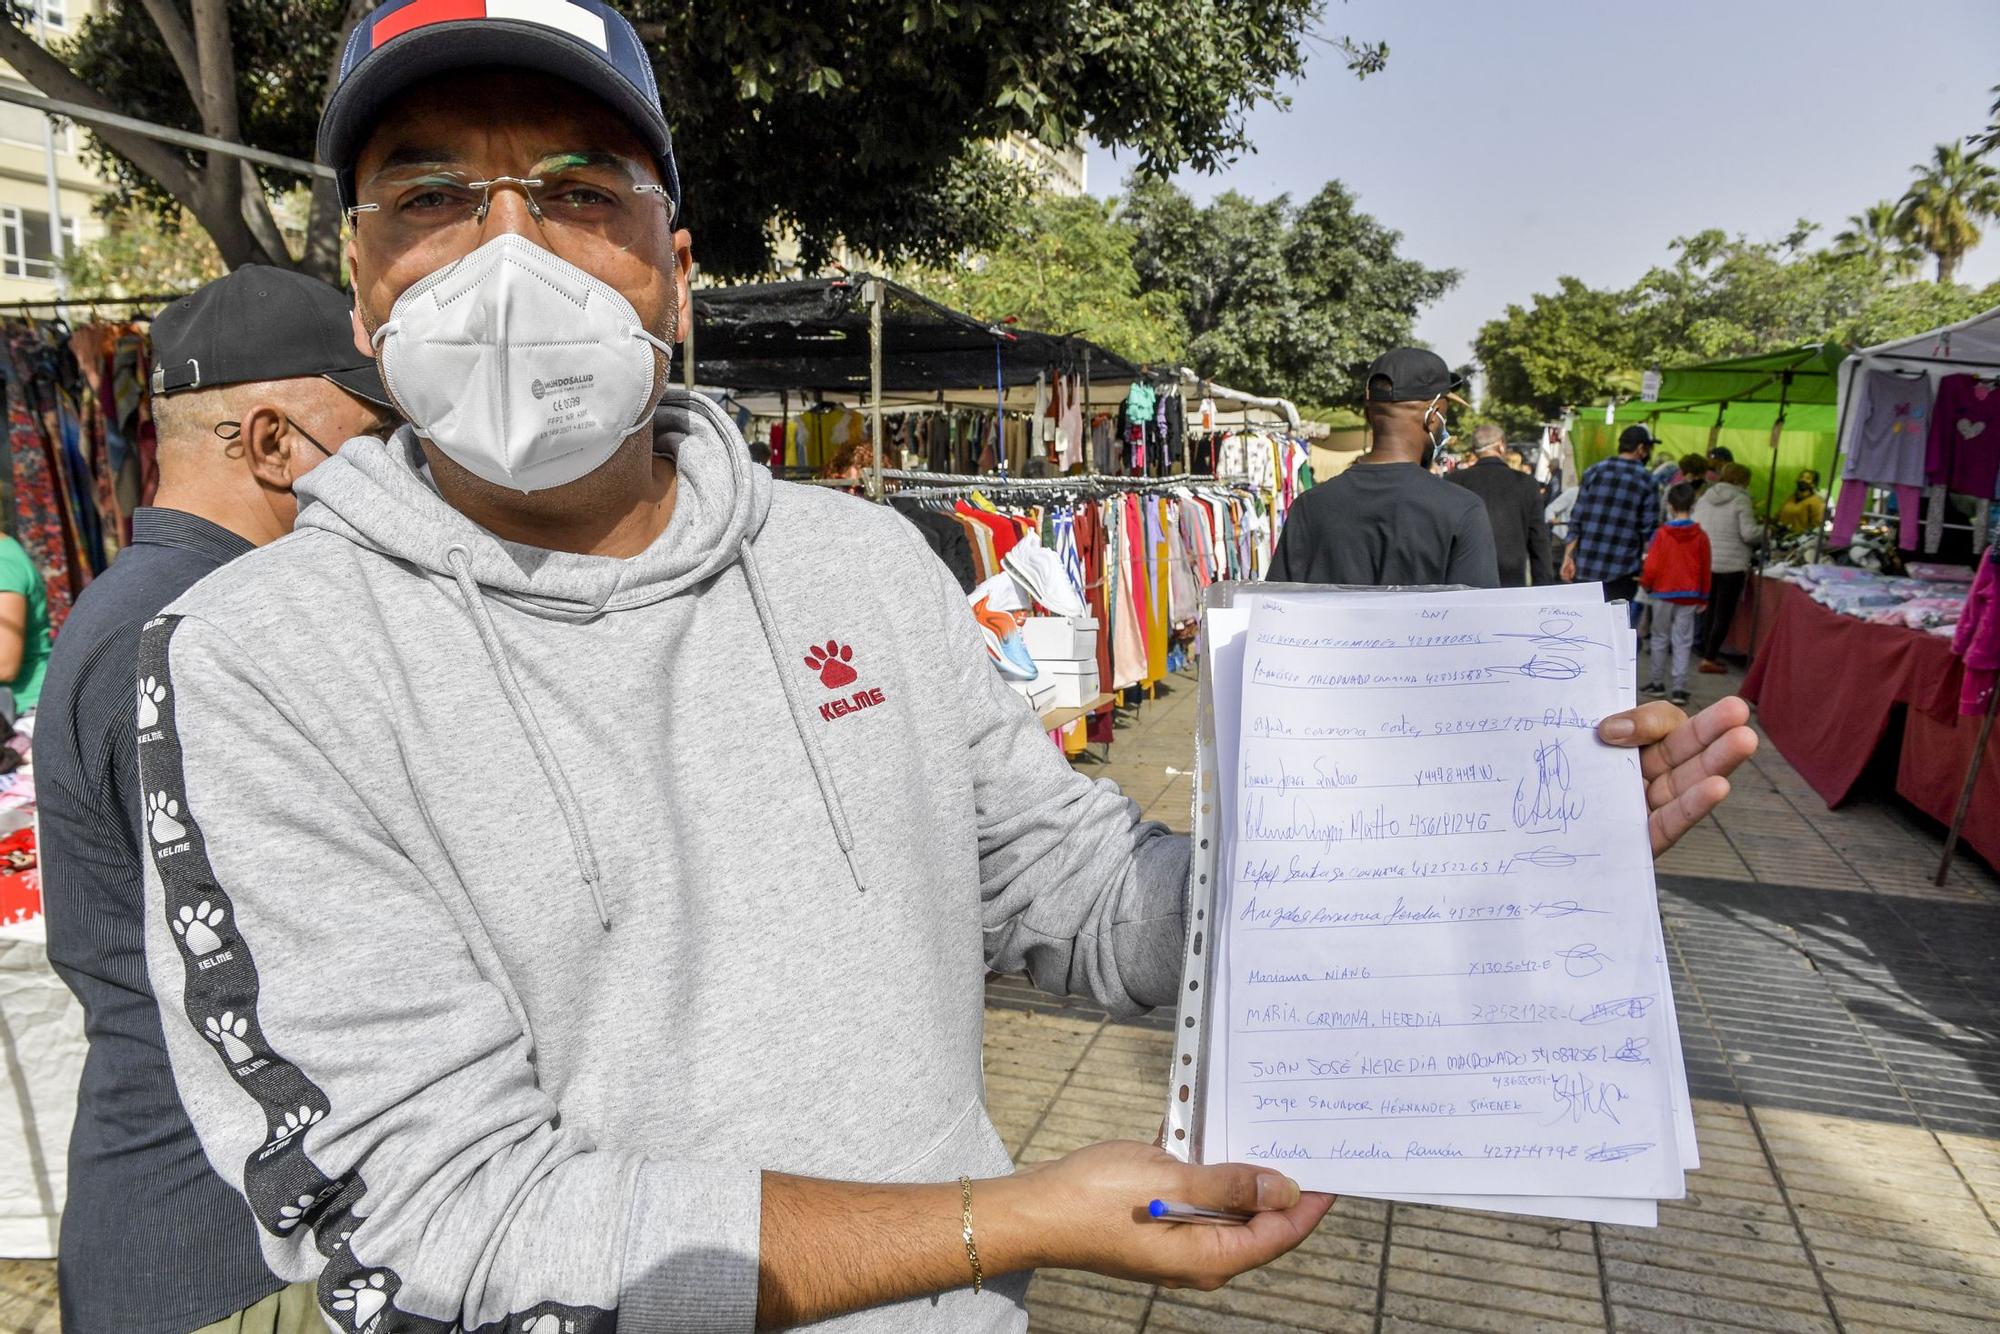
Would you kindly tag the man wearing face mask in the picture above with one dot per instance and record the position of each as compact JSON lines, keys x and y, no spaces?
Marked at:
{"x":513,"y":1017}
{"x":256,"y":378}
{"x":1387,"y":519}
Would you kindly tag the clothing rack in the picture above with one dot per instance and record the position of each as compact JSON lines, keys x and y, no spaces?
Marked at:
{"x":149,"y":303}
{"x":1081,"y":482}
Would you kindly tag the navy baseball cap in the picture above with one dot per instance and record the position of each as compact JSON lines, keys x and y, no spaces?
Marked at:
{"x":405,"y":42}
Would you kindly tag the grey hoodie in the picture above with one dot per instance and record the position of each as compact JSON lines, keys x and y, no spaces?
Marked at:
{"x":1724,"y":512}
{"x":510,"y":910}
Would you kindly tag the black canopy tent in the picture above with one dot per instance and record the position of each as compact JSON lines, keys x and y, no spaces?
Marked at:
{"x":814,"y":334}
{"x":863,"y":334}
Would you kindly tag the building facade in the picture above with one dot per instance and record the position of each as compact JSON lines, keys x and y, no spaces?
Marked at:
{"x":27,"y":249}
{"x":1063,"y":171}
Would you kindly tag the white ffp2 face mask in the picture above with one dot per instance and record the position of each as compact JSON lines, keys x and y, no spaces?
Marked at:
{"x":525,"y":370}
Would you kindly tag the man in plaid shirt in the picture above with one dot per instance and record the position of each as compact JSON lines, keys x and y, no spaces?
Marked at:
{"x":1616,"y":512}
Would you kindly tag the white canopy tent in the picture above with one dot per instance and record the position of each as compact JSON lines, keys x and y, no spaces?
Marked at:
{"x":1968,"y":347}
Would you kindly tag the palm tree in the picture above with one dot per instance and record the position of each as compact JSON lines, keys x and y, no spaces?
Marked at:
{"x":1987,"y":139}
{"x":1953,"y":194}
{"x":1877,"y":237}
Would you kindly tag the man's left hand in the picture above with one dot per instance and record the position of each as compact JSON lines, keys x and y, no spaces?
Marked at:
{"x":1686,"y":761}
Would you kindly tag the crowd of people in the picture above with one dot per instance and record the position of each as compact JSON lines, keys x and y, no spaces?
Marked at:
{"x":1676,"y":539}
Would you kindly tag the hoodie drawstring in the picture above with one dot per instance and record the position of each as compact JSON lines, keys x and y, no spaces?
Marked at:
{"x":460,"y":561}
{"x":801,"y":720}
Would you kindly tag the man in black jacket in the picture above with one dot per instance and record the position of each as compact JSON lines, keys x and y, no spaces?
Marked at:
{"x":1387,"y":520}
{"x":1514,"y":504}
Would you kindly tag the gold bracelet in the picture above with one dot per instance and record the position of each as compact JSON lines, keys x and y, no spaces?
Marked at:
{"x":965,"y":1218}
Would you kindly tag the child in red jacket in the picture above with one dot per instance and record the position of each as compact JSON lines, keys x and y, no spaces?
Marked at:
{"x":1676,"y":577}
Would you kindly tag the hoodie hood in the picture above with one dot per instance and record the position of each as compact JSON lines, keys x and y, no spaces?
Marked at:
{"x":379,"y":495}
{"x":1715,"y":494}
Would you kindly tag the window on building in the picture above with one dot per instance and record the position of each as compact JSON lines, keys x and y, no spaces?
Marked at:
{"x":23,"y":125}
{"x":25,"y":251}
{"x":55,"y":11}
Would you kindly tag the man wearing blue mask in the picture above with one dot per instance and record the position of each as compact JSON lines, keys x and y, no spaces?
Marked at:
{"x":519,"y":1020}
{"x":1388,"y":519}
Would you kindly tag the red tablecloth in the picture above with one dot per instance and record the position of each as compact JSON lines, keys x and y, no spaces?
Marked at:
{"x":1826,"y":687}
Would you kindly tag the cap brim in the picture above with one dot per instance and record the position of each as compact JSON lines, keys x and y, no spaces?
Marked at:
{"x":363,"y":382}
{"x":440,"y":48}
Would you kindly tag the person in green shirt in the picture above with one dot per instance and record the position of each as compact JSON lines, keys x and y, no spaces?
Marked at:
{"x":24,"y":625}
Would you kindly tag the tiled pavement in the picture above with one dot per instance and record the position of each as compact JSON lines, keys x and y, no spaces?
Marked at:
{"x":1842,"y":1024}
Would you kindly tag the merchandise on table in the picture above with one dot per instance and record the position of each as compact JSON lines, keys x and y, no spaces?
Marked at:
{"x":1933,"y":604}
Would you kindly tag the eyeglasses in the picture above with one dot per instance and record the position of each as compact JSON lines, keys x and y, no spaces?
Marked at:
{"x":584,"y":203}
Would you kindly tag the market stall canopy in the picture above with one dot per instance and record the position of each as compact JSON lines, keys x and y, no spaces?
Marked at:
{"x":1746,"y":392}
{"x":812,"y":334}
{"x":1968,"y":347}
{"x":1736,"y":403}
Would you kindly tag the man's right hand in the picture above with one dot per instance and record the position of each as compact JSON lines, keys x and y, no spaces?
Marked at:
{"x":1569,"y":569}
{"x":1087,"y":1210}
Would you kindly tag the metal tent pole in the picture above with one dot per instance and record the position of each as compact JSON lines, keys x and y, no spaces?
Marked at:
{"x":1086,"y":444}
{"x":1971,"y":781}
{"x":1770,"y":497}
{"x":687,"y":368}
{"x":51,"y":106}
{"x":872,"y":294}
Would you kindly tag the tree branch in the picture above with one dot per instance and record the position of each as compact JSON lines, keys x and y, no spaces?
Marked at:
{"x":52,"y":78}
{"x":257,"y":215}
{"x":356,"y":11}
{"x":179,"y":42}
{"x":322,"y":256}
{"x":215,"y":99}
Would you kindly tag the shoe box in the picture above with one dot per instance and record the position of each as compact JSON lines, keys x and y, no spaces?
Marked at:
{"x":1060,"y":638}
{"x":1074,"y":683}
{"x":1040,"y":693}
{"x":1065,"y":653}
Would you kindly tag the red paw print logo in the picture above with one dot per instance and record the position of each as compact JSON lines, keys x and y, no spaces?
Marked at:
{"x":831,"y":662}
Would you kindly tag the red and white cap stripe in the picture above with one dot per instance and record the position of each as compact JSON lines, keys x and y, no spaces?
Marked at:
{"x":561,"y":15}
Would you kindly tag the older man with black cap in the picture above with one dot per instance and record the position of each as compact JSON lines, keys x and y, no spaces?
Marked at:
{"x":559,"y":977}
{"x":1387,"y":519}
{"x":256,"y":380}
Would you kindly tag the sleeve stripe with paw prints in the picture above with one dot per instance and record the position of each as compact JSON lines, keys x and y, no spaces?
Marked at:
{"x":285,"y":1189}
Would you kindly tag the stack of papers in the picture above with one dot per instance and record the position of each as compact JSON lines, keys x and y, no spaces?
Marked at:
{"x":1436,"y":971}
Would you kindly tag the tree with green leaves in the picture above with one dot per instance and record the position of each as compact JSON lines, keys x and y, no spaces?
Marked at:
{"x":1876,"y":237}
{"x":864,"y":122}
{"x":1573,"y":345}
{"x":1720,"y":296}
{"x":1952,"y":195}
{"x":1280,"y":298}
{"x":141,"y":254}
{"x":1067,"y":268}
{"x":253,"y":72}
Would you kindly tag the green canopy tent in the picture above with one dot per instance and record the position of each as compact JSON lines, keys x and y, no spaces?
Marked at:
{"x":1776,"y":413}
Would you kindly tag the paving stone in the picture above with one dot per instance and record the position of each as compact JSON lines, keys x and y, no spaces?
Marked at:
{"x":1408,"y":1277}
{"x":1696,"y":1311}
{"x":1479,"y":1315}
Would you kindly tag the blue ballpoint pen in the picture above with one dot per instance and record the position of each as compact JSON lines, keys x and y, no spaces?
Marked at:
{"x":1172,"y":1211}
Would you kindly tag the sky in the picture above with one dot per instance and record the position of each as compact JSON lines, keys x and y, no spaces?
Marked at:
{"x":1522,"y":140}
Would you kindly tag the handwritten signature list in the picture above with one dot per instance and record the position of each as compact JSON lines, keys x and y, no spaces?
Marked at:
{"x":1441,"y":967}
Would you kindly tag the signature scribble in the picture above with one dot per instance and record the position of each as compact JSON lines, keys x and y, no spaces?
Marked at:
{"x":1583,"y":960}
